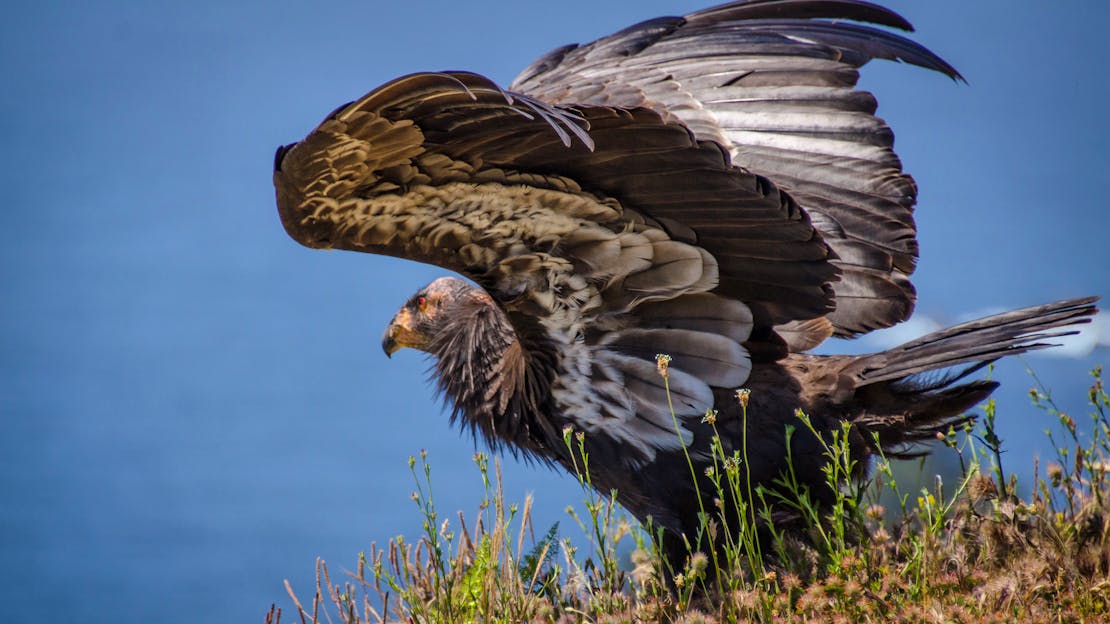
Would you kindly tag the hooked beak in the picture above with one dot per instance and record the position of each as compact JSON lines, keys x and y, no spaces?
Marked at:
{"x":400,"y":334}
{"x":389,"y":345}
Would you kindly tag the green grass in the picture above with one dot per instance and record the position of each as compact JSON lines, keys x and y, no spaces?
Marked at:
{"x":974,"y":553}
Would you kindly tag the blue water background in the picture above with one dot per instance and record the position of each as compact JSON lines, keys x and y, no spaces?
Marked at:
{"x":193,"y":408}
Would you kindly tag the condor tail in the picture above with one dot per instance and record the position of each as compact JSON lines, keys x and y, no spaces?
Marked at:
{"x":903,"y":404}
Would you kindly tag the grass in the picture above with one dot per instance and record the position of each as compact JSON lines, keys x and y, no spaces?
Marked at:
{"x":975,"y":553}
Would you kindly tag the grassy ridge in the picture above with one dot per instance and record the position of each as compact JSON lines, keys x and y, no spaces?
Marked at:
{"x":976,"y":554}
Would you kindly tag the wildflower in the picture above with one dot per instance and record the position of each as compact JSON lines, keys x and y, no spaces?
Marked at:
{"x":742,"y":396}
{"x":810,"y":599}
{"x":1068,"y":422}
{"x":981,"y":490}
{"x":746,"y":599}
{"x":698,"y":563}
{"x":662,"y":362}
{"x":644,"y":566}
{"x":710,"y":416}
{"x":849,"y":562}
{"x":711,"y":527}
{"x":732,"y":465}
{"x":576,"y":582}
{"x":623,"y":529}
{"x":640,"y":557}
{"x":875,"y":512}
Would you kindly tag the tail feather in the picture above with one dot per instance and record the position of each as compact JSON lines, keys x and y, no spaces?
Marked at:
{"x":983,"y":340}
{"x":902,"y":405}
{"x":902,"y":415}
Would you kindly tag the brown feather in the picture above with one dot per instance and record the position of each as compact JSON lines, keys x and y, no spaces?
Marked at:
{"x":709,"y":187}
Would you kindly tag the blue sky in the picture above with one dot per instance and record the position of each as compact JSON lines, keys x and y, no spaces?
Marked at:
{"x":193,"y":407}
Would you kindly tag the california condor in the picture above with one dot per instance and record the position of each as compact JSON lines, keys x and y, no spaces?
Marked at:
{"x":711,"y":187}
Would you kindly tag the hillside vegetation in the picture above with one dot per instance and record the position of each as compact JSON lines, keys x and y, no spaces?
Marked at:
{"x":975,"y":552}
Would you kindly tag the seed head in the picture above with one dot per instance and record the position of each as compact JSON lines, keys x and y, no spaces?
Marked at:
{"x":1055,"y":472}
{"x":662,"y":363}
{"x":742,"y":396}
{"x":875,"y":512}
{"x":698,"y":563}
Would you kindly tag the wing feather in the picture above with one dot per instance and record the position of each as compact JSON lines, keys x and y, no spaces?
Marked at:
{"x":579,"y":223}
{"x":774,"y":82}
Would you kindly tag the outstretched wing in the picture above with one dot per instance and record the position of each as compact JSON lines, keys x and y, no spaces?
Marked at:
{"x":774,"y":83}
{"x":607,"y":235}
{"x":373,"y":177}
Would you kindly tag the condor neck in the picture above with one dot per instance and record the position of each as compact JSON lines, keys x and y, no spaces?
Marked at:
{"x":481,"y":368}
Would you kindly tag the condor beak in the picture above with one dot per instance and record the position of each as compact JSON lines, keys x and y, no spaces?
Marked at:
{"x":400,"y":334}
{"x":389,"y":345}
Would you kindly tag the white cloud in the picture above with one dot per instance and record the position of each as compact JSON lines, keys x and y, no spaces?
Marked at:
{"x":1090,"y":337}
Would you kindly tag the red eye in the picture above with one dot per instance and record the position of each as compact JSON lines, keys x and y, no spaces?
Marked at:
{"x":421,"y":302}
